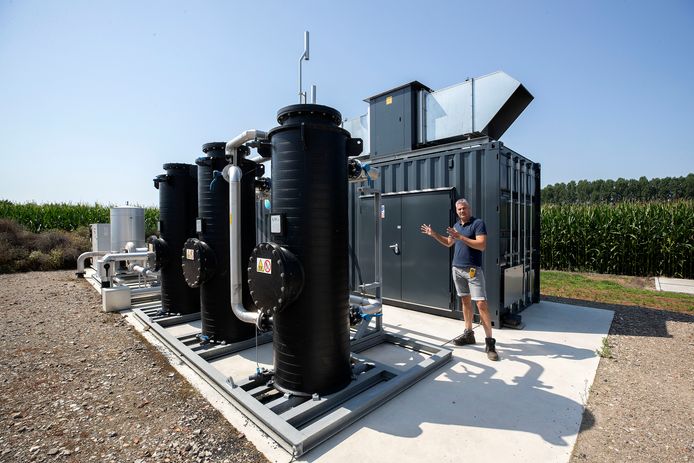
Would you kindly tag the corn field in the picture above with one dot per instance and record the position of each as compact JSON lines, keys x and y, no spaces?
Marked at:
{"x":65,"y":216}
{"x":641,"y":239}
{"x":625,"y":239}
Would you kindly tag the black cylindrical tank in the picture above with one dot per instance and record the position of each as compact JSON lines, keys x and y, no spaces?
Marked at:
{"x":178,"y":208}
{"x":206,"y":260}
{"x":309,"y":193}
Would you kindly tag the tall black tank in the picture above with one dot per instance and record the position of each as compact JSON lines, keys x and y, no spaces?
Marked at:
{"x":178,"y":208}
{"x":206,"y":259}
{"x":309,"y":194}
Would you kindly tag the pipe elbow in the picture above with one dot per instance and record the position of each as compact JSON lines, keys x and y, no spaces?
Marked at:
{"x":84,"y":256}
{"x":244,"y":315}
{"x":367,"y":306}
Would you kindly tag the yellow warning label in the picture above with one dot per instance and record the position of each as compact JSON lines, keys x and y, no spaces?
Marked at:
{"x":190,"y":254}
{"x":263,"y":265}
{"x":230,"y":221}
{"x":389,"y":100}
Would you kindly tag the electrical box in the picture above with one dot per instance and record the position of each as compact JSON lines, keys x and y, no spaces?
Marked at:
{"x":101,"y":236}
{"x":393,"y":119}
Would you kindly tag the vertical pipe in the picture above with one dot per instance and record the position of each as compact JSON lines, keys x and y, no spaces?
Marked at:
{"x":529,"y":225}
{"x":525,"y":227}
{"x":518,"y":225}
{"x":472,"y":104}
{"x":512,"y":178}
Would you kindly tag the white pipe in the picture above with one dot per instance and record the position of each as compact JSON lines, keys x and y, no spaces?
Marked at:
{"x":233,"y":175}
{"x":367,"y":305}
{"x":231,"y":147}
{"x":144,"y":271}
{"x":84,"y":256}
{"x":122,"y":256}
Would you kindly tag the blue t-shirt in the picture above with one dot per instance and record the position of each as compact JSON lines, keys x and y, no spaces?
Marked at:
{"x":464,"y":255}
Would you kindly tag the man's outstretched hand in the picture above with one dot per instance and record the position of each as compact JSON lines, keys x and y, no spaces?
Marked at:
{"x":453,"y":233}
{"x":426,"y":229}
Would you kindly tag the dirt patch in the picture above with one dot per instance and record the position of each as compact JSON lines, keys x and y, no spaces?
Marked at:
{"x":80,"y":385}
{"x":627,"y":281}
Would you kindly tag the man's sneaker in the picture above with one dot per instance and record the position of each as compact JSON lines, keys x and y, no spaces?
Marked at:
{"x":468,"y":337}
{"x":490,"y":348}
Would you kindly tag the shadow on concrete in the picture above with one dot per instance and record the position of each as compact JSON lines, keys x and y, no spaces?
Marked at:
{"x":633,"y":320}
{"x":466,"y":393}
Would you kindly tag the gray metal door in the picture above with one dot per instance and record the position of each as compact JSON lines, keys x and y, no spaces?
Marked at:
{"x":416,"y":269}
{"x":426,"y":264}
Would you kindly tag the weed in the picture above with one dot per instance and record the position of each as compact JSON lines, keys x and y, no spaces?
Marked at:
{"x":604,"y":351}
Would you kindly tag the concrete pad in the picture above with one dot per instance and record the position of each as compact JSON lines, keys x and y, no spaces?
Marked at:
{"x":526,"y":407}
{"x":675,"y":285}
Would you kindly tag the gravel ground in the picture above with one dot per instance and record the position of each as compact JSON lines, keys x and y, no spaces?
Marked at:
{"x":81,"y":385}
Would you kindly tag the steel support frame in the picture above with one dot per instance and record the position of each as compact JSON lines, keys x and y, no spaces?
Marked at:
{"x":325,"y":416}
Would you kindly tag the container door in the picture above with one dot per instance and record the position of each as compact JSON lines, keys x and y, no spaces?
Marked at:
{"x":391,"y":214}
{"x":426,"y":264}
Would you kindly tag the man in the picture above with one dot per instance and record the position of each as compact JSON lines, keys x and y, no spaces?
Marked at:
{"x":469,"y":235}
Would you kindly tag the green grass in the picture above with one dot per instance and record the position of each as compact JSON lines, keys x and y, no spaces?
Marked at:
{"x":609,"y":289}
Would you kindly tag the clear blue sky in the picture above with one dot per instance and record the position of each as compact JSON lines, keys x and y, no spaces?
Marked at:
{"x":95,"y":96}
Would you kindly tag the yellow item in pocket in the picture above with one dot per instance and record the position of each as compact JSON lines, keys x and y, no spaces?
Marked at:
{"x":472,"y":272}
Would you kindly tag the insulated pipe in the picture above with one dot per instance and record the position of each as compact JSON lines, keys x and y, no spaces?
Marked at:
{"x":144,"y":271}
{"x":232,"y":174}
{"x":123,"y":256}
{"x":84,"y":256}
{"x":231,"y":147}
{"x":367,"y":305}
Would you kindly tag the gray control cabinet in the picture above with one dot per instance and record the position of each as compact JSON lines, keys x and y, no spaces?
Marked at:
{"x":393,"y":118}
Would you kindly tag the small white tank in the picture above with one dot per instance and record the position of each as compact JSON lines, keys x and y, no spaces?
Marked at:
{"x":127,"y":224}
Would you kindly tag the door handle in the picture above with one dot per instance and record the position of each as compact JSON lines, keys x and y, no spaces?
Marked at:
{"x":395,"y":248}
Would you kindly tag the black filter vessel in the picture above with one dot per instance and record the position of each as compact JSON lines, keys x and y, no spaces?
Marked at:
{"x":206,"y":259}
{"x":309,"y":194}
{"x":178,"y":208}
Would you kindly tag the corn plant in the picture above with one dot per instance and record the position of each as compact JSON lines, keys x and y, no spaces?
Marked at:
{"x":64,"y":216}
{"x":642,"y":239}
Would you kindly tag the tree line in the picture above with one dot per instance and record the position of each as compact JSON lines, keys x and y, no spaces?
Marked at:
{"x":620,"y":190}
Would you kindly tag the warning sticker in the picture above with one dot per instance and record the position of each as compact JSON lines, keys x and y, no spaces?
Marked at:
{"x":264,"y":265}
{"x":190,"y":254}
{"x":389,"y":100}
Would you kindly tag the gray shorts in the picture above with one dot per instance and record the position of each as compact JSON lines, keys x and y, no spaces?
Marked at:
{"x":467,"y":286}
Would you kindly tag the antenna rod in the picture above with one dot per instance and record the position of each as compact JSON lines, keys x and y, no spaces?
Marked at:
{"x":304,"y":56}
